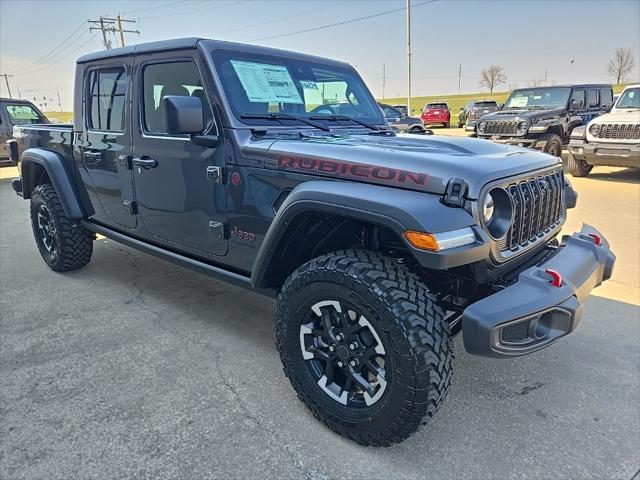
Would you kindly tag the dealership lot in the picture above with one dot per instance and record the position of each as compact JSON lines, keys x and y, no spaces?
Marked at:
{"x":132,"y":367}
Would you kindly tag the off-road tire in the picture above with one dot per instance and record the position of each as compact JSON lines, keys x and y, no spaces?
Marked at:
{"x":445,"y":125}
{"x":577,"y":168}
{"x":553,"y":145}
{"x":73,"y":242}
{"x":410,"y":323}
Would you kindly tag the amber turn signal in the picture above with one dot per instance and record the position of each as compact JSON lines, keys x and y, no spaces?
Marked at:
{"x":421,"y":240}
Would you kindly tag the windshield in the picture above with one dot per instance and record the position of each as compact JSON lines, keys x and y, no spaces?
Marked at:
{"x":21,"y":114}
{"x":257,"y":84}
{"x":630,"y":98}
{"x":539,"y":97}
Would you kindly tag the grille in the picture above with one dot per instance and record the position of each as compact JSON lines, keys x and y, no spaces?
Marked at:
{"x":619,"y":131}
{"x":501,"y":128}
{"x":280,"y":200}
{"x":516,"y":332}
{"x":537,"y":206}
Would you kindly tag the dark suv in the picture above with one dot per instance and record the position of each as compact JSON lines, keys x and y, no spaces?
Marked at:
{"x":473,"y":110}
{"x":543,"y":117}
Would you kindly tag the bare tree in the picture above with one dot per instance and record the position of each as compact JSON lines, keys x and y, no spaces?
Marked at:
{"x":492,"y":76}
{"x":536,"y":82}
{"x":621,"y":64}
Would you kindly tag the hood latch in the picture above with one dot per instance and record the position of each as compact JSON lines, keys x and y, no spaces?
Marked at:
{"x":456,"y":191}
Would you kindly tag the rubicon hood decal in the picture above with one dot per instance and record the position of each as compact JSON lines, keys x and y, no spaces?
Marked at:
{"x":352,"y":170}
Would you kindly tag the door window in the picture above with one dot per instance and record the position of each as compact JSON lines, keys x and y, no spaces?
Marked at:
{"x":606,"y":96}
{"x":578,"y":99}
{"x":107,"y":99}
{"x":592,"y":98}
{"x":174,"y":78}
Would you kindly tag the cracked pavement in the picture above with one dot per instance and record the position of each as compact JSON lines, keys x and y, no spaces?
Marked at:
{"x":135,"y":368}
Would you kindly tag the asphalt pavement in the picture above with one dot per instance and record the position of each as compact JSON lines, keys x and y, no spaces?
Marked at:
{"x":135,"y":368}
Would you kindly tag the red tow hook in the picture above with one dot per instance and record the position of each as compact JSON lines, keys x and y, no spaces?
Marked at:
{"x":556,"y":277}
{"x":596,"y":239}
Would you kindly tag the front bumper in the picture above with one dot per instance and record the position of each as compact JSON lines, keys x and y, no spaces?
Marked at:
{"x":470,"y":126}
{"x":601,"y":153}
{"x":536,"y":311}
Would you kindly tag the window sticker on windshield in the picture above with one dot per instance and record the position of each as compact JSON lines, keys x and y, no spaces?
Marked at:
{"x":19,"y":112}
{"x":519,"y":102}
{"x":266,"y":83}
{"x":308,"y":85}
{"x":632,"y":94}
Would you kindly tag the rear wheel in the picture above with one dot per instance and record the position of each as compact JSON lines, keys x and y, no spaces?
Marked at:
{"x":445,"y":125}
{"x":577,"y":168}
{"x":364,"y":344}
{"x":63,"y":244}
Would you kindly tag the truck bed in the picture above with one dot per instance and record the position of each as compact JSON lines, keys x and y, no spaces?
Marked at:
{"x":56,"y":137}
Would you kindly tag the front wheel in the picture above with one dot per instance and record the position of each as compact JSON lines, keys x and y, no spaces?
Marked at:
{"x":553,"y":145}
{"x":364,"y":344}
{"x":63,"y":244}
{"x":445,"y":125}
{"x":577,"y":168}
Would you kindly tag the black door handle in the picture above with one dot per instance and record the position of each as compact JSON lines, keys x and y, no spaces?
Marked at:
{"x":145,"y":162}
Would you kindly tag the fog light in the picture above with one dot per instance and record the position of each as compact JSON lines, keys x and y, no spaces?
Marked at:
{"x":580,"y":150}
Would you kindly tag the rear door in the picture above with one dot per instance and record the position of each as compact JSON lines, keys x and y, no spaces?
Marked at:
{"x":178,"y":198}
{"x":105,"y":142}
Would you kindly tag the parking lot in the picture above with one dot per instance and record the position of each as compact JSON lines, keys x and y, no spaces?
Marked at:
{"x":132,"y":367}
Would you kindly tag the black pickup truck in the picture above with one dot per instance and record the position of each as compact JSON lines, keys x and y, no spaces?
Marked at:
{"x":227,"y":159}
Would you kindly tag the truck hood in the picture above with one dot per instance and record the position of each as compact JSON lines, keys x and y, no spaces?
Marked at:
{"x":417,"y":162}
{"x":531,"y":115}
{"x":624,"y":115}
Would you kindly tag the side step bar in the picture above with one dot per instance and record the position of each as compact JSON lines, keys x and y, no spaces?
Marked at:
{"x":207,"y":269}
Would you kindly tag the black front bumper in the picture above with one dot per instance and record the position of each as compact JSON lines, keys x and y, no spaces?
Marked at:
{"x":604,"y":153}
{"x":538,"y":309}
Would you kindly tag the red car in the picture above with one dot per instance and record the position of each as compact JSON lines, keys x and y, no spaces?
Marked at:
{"x":436,"y":113}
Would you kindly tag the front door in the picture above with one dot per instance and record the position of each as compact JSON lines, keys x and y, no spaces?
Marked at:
{"x":179,"y":200}
{"x":105,"y":143}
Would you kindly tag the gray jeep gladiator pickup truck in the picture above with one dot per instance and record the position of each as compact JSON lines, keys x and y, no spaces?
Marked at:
{"x":379,"y":247}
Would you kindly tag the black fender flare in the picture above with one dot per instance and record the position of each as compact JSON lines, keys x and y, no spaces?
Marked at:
{"x":60,"y":178}
{"x":396,"y":209}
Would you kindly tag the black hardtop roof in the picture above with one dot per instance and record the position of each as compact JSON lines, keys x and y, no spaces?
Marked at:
{"x":575,"y":85}
{"x":14,"y":100}
{"x":193,"y":42}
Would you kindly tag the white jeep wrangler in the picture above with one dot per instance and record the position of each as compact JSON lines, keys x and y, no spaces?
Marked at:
{"x":611,"y":139}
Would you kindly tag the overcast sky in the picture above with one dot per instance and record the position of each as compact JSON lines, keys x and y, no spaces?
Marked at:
{"x":39,"y":40}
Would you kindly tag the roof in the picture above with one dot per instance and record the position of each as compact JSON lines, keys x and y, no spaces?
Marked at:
{"x":575,"y":85}
{"x":194,"y":42}
{"x":14,"y":100}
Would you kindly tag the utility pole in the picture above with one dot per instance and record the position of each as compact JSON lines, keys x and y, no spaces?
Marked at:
{"x":545,"y":77}
{"x":6,"y":79}
{"x":59,"y":101}
{"x":118,"y":21}
{"x":409,"y":57}
{"x":111,"y":25}
{"x":19,"y":94}
{"x":459,"y":78}
{"x":384,"y":77}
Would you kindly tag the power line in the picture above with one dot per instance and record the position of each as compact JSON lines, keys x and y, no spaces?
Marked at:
{"x":67,"y":55}
{"x":189,"y":12}
{"x":344,"y":22}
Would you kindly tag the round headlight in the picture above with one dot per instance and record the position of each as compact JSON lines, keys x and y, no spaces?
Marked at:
{"x":497,"y":212}
{"x":482,"y":126}
{"x":522,"y":127}
{"x":594,"y":129}
{"x":487,"y":209}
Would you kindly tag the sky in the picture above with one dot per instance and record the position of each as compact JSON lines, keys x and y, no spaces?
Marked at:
{"x":571,"y":39}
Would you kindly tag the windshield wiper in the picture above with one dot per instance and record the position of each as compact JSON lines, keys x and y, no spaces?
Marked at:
{"x":337,"y":118}
{"x":284,"y":116}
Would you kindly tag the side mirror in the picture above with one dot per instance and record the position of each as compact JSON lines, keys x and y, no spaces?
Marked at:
{"x":607,"y":108}
{"x":183,"y":115}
